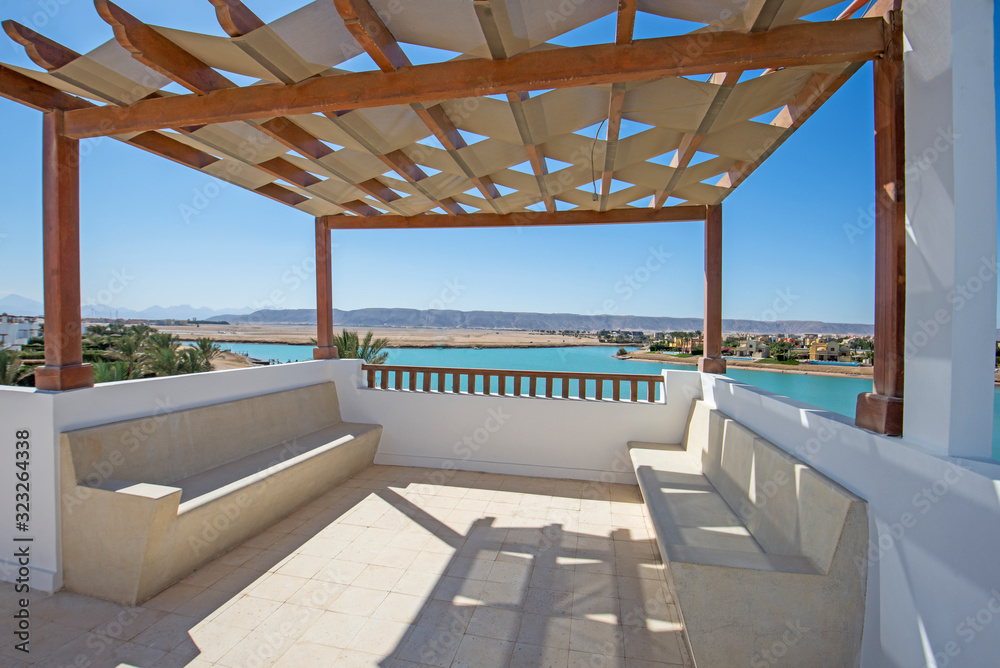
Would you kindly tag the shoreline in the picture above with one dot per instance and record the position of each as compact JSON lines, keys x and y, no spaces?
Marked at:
{"x":864,"y":372}
{"x":426,"y":345}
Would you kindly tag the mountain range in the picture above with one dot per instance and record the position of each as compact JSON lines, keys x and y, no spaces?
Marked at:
{"x":446,"y":319}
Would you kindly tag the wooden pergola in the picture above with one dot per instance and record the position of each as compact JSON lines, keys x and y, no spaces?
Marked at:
{"x":501,"y":134}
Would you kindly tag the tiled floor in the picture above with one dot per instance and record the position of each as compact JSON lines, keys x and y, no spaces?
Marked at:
{"x":399,"y":567}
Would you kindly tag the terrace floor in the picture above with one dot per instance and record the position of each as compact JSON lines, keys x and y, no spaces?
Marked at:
{"x":399,"y":567}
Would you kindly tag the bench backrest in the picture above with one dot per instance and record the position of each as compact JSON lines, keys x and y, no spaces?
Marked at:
{"x":789,"y":507}
{"x":166,"y":447}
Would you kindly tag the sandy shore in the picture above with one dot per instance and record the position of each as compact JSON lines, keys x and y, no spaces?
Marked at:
{"x":805,"y":369}
{"x":398,"y":337}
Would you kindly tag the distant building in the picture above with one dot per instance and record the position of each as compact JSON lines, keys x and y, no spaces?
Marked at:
{"x":829,"y":351}
{"x":691,"y":345}
{"x":753,"y":349}
{"x":16,"y":330}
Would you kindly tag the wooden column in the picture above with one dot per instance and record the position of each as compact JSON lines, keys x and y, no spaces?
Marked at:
{"x":882,"y":410}
{"x":325,"y":350}
{"x":712,"y":361}
{"x":64,"y":368}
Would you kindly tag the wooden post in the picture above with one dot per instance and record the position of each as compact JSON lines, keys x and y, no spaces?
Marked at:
{"x":882,"y":410}
{"x":712,"y":361}
{"x":64,"y":368}
{"x":324,"y":350}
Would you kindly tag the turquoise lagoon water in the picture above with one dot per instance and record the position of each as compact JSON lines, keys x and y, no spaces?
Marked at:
{"x":833,"y":393}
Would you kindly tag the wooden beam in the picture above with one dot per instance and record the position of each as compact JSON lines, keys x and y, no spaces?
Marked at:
{"x":536,"y":156}
{"x":363,"y":209}
{"x":882,"y":411}
{"x":157,"y":52}
{"x":287,"y":171}
{"x":44,"y":52}
{"x":403,"y":165}
{"x":691,"y":141}
{"x":235,"y":18}
{"x":378,"y":41}
{"x":64,"y":368}
{"x":372,"y":34}
{"x":289,"y":133}
{"x":171,"y":149}
{"x":324,"y":294}
{"x":712,"y":360}
{"x":611,"y":143}
{"x":625,"y":25}
{"x":808,"y":43}
{"x":526,"y":219}
{"x":281,"y":194}
{"x":23,"y":89}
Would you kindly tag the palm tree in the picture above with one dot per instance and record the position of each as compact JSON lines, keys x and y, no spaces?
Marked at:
{"x":10,"y":367}
{"x":369,"y":349}
{"x":161,"y":354}
{"x":191,"y":361}
{"x":128,"y":350}
{"x":208,"y":350}
{"x":109,"y":372}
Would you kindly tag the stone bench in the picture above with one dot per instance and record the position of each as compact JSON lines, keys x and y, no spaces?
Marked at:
{"x":765,"y":554}
{"x":146,"y":501}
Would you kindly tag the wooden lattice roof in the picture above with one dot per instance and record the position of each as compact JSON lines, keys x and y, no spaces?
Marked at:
{"x":507,"y":125}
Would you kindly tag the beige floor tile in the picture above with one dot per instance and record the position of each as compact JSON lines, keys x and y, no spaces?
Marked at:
{"x":340,"y":572}
{"x":312,"y":655}
{"x":510,"y":573}
{"x":535,"y":656}
{"x":496,"y":623}
{"x":303,"y":566}
{"x":129,"y":623}
{"x":446,"y":616}
{"x":352,"y":659}
{"x":596,"y":637}
{"x":207,"y":604}
{"x":209,"y":574}
{"x":473,"y":569}
{"x":431,"y":646}
{"x":328,"y":548}
{"x":587,"y":660}
{"x":317,"y":594}
{"x":167,"y":634}
{"x":380,"y":636}
{"x":334,"y":629}
{"x":383,"y":578}
{"x":499,"y":594}
{"x":216,"y":639}
{"x":479,"y":652}
{"x":417,"y":583}
{"x":358,"y":601}
{"x":248,"y":612}
{"x":545,"y":631}
{"x":399,"y":607}
{"x":239,"y":555}
{"x":641,"y":643}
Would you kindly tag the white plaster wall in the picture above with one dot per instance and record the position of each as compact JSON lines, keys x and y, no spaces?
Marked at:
{"x":951,"y":209}
{"x":935,"y":529}
{"x":560,"y":438}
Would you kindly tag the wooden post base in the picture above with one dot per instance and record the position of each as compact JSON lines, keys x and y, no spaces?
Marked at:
{"x":879,"y":413}
{"x":59,"y":378}
{"x":325,"y":353}
{"x":712,"y":365}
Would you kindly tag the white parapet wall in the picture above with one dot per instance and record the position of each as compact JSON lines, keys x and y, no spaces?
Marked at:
{"x":561,"y":438}
{"x":518,"y":435}
{"x":934,"y":523}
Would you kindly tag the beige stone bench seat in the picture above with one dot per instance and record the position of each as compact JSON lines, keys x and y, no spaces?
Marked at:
{"x":141,"y":513}
{"x":757,"y":545}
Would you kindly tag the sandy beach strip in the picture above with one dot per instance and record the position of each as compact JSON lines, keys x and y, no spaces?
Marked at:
{"x":805,"y":369}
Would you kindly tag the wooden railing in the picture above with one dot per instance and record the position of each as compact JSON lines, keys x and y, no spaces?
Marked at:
{"x":564,"y":384}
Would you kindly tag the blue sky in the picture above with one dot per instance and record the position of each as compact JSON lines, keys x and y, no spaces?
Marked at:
{"x":787,"y":241}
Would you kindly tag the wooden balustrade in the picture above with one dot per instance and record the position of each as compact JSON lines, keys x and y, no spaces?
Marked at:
{"x":540,"y":383}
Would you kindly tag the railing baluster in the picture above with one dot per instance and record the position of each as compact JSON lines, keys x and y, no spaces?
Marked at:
{"x":456,"y":382}
{"x":399,"y":379}
{"x":532,"y":385}
{"x":384,"y":377}
{"x":371,"y":377}
{"x":487,"y":378}
{"x":565,"y":387}
{"x":517,"y":385}
{"x":616,"y":390}
{"x":651,"y":391}
{"x":582,"y":394}
{"x":427,"y":380}
{"x":635,"y":390}
{"x":413,"y":380}
{"x":502,"y":384}
{"x":599,"y":390}
{"x":548,"y":386}
{"x":440,"y":376}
